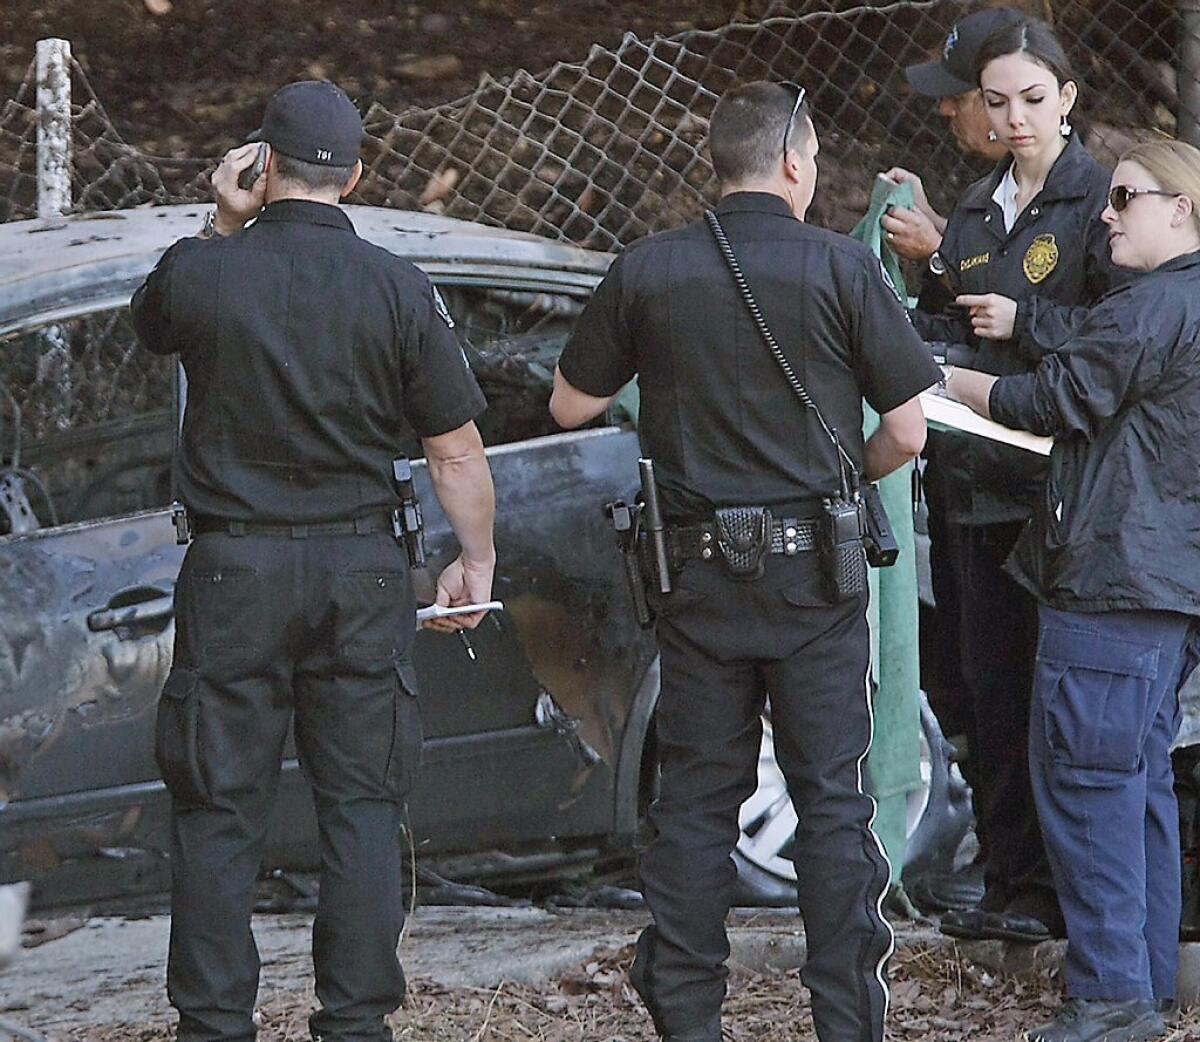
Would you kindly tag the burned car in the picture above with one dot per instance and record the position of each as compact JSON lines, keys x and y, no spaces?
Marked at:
{"x":538,"y":737}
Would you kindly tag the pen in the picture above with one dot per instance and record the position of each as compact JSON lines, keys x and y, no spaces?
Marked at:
{"x":462,"y":635}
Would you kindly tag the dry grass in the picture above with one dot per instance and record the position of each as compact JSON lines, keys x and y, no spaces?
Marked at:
{"x":937,"y":996}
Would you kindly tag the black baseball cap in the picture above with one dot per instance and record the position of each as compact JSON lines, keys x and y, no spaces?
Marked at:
{"x":955,"y":73}
{"x":312,"y":120}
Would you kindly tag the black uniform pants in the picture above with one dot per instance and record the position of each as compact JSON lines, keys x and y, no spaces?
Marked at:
{"x":941,"y":657}
{"x":725,"y":644}
{"x":271,"y":631}
{"x":999,"y":643}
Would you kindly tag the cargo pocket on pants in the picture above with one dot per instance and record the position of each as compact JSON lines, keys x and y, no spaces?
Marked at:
{"x":404,"y":755}
{"x":1096,"y":693}
{"x":176,"y":737}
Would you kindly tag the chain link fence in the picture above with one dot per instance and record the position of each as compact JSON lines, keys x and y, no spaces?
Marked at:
{"x":597,"y":152}
{"x":607,"y":149}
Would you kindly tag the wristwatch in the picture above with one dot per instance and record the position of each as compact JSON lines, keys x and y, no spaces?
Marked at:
{"x":937,"y":264}
{"x":209,"y":228}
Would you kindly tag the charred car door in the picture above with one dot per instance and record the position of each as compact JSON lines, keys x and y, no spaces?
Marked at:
{"x":524,"y":730}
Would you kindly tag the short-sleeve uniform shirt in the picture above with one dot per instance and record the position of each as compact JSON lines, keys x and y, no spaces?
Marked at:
{"x":306,"y":350}
{"x":718,"y":417}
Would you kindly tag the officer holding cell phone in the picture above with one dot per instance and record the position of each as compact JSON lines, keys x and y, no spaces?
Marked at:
{"x":306,"y":350}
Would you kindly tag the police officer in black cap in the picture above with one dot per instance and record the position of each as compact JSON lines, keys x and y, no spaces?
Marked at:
{"x":751,"y":610}
{"x":917,"y":233}
{"x":306,"y":350}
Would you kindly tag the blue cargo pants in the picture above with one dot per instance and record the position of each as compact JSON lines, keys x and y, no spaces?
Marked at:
{"x":1105,"y":711}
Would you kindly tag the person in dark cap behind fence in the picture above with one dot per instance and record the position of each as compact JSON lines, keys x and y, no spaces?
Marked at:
{"x":306,"y":351}
{"x":916,"y":234}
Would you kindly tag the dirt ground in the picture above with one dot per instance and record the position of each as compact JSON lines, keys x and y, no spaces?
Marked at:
{"x":503,"y":975}
{"x":526,"y":975}
{"x":192,"y":80}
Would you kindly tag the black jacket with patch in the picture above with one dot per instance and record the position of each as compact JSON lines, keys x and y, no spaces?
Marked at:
{"x":1116,"y":527}
{"x":1054,"y":263}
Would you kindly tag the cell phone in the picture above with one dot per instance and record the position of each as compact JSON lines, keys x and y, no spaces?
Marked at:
{"x":440,"y":611}
{"x":253,"y":172}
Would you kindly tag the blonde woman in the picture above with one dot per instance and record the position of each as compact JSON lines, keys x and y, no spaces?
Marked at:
{"x":1112,"y":555}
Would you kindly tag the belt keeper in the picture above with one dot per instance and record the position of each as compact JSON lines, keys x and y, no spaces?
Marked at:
{"x":237,"y":528}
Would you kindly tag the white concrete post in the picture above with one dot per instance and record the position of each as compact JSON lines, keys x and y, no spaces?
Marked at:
{"x":54,"y":187}
{"x":54,"y":127}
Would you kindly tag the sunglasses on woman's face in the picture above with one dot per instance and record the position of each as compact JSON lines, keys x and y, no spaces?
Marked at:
{"x":1121,"y":195}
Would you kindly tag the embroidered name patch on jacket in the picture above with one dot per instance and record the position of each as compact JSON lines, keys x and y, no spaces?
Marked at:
{"x":974,"y":262}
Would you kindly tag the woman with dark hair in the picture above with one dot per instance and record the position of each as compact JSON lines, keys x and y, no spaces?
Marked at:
{"x":1113,"y":557}
{"x":1023,"y":251}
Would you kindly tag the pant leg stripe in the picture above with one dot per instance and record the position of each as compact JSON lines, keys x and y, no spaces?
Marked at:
{"x":891,"y":947}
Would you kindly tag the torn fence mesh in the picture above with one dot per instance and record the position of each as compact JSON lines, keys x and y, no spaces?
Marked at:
{"x":604,"y":150}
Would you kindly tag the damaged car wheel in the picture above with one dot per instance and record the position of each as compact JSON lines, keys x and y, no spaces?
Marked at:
{"x":938,"y":815}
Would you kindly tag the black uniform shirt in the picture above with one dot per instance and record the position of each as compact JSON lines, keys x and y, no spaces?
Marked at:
{"x":717,"y":415}
{"x":305,"y":348}
{"x":1054,"y":263}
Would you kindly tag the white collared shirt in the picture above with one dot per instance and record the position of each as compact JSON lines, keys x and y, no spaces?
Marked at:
{"x":1005,"y":197}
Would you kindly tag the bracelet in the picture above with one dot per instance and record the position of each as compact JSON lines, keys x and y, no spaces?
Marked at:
{"x":209,"y":228}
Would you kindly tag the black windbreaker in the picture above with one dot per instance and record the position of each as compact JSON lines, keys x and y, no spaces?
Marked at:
{"x":1053,"y":263}
{"x":1117,"y":527}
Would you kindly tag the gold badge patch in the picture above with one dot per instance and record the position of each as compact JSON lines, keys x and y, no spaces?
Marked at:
{"x":1041,"y":258}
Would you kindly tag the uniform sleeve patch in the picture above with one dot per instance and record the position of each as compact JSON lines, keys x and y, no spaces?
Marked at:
{"x":439,"y":306}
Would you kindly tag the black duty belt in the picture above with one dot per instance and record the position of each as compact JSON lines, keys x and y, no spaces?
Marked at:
{"x":359,"y":526}
{"x":789,"y":537}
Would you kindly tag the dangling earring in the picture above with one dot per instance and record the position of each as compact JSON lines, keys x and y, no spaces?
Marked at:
{"x":992,"y":135}
{"x":1064,"y":128}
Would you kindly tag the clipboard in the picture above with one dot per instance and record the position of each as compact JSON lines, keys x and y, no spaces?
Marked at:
{"x":946,"y":414}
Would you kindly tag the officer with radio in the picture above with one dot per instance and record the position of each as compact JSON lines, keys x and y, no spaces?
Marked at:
{"x":756,"y":338}
{"x":306,"y":351}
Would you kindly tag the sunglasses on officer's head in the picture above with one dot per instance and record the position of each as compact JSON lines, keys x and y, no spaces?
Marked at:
{"x":1121,"y":195}
{"x":801,"y":94}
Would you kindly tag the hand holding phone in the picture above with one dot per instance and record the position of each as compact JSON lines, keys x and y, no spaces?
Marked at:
{"x":237,"y":204}
{"x":248,"y":176}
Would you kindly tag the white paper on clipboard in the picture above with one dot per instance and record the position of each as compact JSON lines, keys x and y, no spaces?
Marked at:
{"x":951,"y":415}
